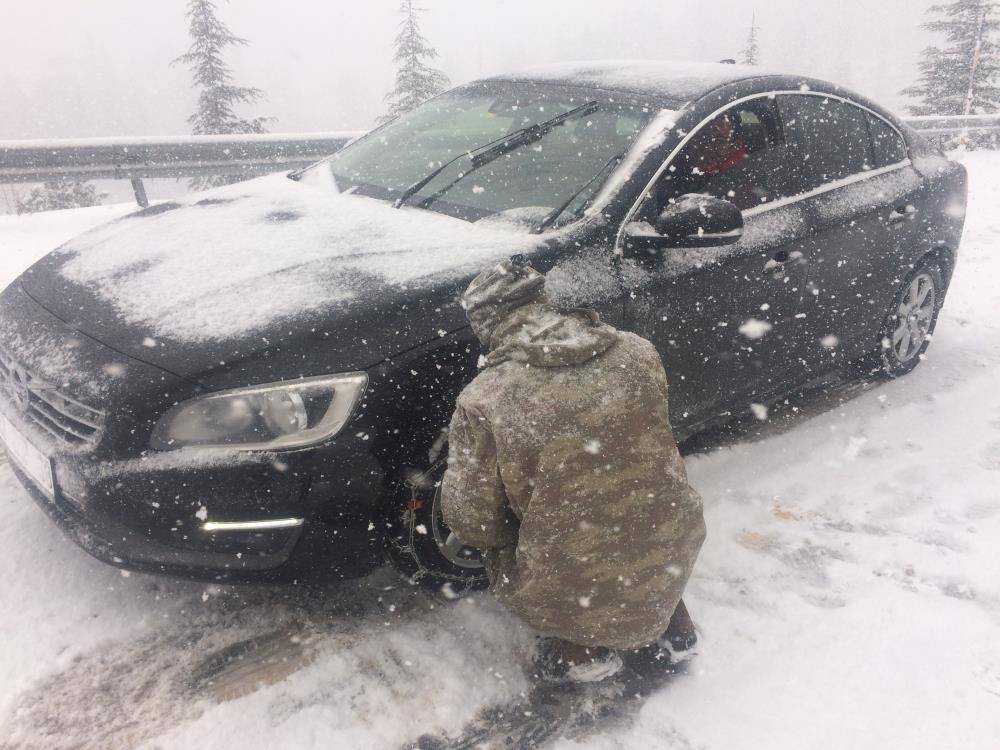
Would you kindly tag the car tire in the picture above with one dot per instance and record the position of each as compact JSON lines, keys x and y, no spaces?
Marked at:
{"x":422,"y":547}
{"x":909,"y":326}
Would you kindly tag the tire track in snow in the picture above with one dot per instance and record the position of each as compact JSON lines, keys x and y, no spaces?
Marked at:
{"x":120,"y":694}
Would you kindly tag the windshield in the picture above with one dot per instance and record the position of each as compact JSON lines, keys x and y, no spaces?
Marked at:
{"x":525,"y":184}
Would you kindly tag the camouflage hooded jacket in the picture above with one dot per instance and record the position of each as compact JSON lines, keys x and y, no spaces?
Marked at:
{"x":563,"y":469}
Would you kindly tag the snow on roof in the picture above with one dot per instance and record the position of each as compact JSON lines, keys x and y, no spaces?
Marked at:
{"x":680,"y":81}
{"x":227,"y":263}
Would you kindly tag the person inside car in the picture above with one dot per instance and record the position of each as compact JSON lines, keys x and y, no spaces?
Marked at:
{"x":563,"y":470}
{"x":717,"y":162}
{"x":718,"y":147}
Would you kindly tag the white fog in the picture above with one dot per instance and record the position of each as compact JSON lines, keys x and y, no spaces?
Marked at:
{"x":102,"y":67}
{"x":644,"y":398}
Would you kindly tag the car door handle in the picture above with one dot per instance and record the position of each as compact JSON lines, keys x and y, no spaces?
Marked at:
{"x":902,"y":213}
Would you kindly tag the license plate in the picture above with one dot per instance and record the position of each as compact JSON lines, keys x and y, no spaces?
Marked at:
{"x":28,"y":458}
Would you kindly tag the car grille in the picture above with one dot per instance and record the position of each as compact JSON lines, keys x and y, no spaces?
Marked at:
{"x":64,"y":417}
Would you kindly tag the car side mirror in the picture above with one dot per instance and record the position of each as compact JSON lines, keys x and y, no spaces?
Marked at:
{"x":692,"y":221}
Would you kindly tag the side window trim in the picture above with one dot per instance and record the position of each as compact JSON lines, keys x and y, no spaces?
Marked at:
{"x":646,"y":191}
{"x":871,"y":135}
{"x":827,"y":187}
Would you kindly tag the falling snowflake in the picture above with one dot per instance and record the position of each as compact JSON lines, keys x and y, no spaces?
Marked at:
{"x":755,"y":329}
{"x":115,"y":370}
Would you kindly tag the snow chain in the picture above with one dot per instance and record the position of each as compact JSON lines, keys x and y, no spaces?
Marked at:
{"x":414,"y":484}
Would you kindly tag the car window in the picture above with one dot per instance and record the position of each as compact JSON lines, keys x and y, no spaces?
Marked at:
{"x":830,"y":137}
{"x":887,"y":144}
{"x":740,"y":156}
{"x":524,"y":184}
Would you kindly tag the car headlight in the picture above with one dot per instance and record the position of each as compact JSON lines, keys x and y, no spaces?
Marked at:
{"x":291,"y":414}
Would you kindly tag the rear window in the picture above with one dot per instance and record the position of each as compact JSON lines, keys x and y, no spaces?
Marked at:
{"x":887,"y":144}
{"x":830,"y":137}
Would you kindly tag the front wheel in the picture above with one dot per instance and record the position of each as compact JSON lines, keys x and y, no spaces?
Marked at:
{"x":909,"y":327}
{"x":423,"y":547}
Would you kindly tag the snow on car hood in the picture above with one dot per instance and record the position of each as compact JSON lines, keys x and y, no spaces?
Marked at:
{"x":232,"y":262}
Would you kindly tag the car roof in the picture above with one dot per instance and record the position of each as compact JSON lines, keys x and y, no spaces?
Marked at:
{"x":673,"y":80}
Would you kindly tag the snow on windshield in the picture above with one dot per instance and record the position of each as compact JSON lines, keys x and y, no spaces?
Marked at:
{"x":252,"y":253}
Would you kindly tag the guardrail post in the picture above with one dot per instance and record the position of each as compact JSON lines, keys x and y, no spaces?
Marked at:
{"x":140,"y":192}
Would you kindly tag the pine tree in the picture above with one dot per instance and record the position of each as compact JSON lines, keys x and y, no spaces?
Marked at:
{"x":58,"y":194}
{"x":751,"y":53}
{"x":416,"y":81}
{"x":218,"y":97}
{"x":962,"y":78}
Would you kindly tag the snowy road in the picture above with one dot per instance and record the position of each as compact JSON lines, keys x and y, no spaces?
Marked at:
{"x":848,"y":594}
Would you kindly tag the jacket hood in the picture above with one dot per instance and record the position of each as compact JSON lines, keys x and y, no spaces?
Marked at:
{"x":541,"y":335}
{"x":212,"y":279}
{"x":497,"y":292}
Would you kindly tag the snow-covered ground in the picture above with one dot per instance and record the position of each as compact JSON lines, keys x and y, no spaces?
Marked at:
{"x":23,"y":239}
{"x":848,"y":595}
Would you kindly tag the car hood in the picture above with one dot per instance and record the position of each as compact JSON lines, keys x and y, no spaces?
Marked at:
{"x":197,"y":285}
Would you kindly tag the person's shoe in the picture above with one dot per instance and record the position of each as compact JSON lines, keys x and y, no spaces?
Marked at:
{"x":678,"y":646}
{"x":596,"y":670}
{"x":564,"y":663}
{"x":679,"y":640}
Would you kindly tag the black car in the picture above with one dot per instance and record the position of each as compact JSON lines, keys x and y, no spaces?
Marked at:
{"x":255,"y":383}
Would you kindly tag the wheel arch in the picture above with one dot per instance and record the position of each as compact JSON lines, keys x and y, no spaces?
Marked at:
{"x":946,"y":257}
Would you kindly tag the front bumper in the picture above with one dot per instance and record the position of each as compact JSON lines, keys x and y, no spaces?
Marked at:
{"x":138,"y":509}
{"x":334,"y":540}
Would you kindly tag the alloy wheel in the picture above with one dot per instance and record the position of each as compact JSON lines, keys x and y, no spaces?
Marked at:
{"x":914,"y":317}
{"x":450,"y":547}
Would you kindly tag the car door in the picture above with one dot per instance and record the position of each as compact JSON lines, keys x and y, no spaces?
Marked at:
{"x":724,"y":319}
{"x":862,"y":203}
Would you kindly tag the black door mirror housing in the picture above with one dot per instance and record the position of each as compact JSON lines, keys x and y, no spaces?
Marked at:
{"x":692,"y":221}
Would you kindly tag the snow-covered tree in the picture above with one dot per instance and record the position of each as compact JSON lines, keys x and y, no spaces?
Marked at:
{"x":750,"y":54}
{"x":58,"y":194}
{"x":218,"y":97}
{"x":416,"y":81}
{"x":962,"y":77}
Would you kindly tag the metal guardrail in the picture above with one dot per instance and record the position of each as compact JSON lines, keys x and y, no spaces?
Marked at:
{"x":169,"y":156}
{"x":193,"y":156}
{"x":942,"y":125}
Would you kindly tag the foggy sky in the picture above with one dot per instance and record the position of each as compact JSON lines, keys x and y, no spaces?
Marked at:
{"x":102,"y":67}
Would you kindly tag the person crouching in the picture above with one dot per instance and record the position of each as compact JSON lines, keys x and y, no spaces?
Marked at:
{"x":563,"y":470}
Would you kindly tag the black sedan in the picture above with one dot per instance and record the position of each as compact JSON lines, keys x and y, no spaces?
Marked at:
{"x":254,"y":383}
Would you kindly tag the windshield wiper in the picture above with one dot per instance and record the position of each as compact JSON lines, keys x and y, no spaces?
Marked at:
{"x":417,"y":186}
{"x":529,"y":135}
{"x":483,"y":155}
{"x":556,"y":212}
